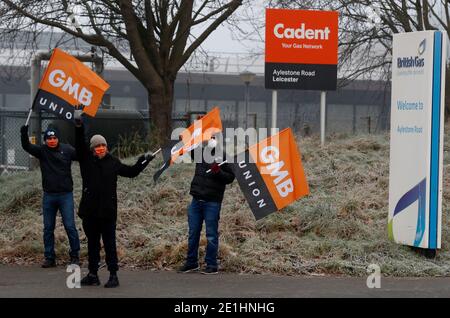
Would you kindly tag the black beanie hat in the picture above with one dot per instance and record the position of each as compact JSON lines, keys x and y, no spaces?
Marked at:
{"x":50,"y":132}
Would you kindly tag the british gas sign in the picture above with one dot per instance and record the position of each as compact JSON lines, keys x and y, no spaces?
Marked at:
{"x":301,"y":49}
{"x":68,"y":82}
{"x":417,"y":138}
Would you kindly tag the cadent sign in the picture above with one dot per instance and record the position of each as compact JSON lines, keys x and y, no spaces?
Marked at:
{"x":301,"y":49}
{"x":416,"y":149}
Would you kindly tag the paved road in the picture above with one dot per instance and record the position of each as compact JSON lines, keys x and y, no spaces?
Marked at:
{"x":37,"y":282}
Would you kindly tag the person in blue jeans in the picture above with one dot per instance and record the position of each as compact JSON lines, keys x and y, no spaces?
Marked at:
{"x":55,"y":161}
{"x":207,"y":190}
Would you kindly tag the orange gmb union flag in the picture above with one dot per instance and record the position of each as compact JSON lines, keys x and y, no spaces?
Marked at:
{"x":192,"y":137}
{"x":201,"y":130}
{"x":271,"y":174}
{"x":67,"y":82}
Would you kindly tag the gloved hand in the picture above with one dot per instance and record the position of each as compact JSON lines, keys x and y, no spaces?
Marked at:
{"x":215,"y":168}
{"x":24,"y":129}
{"x":141,"y":160}
{"x":77,"y":114}
{"x":149,"y":156}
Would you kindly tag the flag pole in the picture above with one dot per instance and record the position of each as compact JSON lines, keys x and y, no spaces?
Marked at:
{"x":153,"y":154}
{"x":157,"y":152}
{"x":29,"y":116}
{"x":31,"y":109}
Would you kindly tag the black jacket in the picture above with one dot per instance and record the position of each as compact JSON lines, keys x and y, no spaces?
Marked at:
{"x":210,"y":186}
{"x":55,"y":164}
{"x":99,"y":197}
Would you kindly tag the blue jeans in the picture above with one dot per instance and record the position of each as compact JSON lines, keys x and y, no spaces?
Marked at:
{"x":198,"y":212}
{"x":51,"y":203}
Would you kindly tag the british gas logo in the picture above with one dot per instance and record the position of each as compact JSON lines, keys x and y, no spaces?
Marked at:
{"x":301,"y":33}
{"x":410,"y":62}
{"x":413,"y":61}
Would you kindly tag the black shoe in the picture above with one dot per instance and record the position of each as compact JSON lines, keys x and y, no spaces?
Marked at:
{"x":48,"y":263}
{"x":90,"y":280}
{"x":74,"y":260}
{"x":113,"y":281}
{"x":186,"y":268}
{"x":210,"y":270}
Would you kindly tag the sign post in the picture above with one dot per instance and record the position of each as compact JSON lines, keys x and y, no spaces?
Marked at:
{"x":301,"y":53}
{"x":417,"y":138}
{"x":274,"y":112}
{"x":323,"y":114}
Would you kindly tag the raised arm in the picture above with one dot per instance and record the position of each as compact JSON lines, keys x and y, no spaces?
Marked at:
{"x":26,"y":145}
{"x":133,"y":171}
{"x":81,"y":148}
{"x":73,"y":154}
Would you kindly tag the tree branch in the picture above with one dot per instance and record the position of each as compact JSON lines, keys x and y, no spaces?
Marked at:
{"x":233,"y":5}
{"x":152,"y":79}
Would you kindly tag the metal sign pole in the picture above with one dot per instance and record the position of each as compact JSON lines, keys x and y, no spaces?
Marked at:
{"x":274,"y":111}
{"x":323,"y":111}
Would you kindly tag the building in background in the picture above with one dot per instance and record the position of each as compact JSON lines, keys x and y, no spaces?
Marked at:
{"x":207,"y":81}
{"x":360,"y":107}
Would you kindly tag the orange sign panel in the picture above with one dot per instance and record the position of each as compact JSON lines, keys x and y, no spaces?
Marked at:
{"x":301,"y":37}
{"x":301,"y":49}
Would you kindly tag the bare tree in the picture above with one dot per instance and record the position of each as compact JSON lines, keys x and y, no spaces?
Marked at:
{"x":157,"y":33}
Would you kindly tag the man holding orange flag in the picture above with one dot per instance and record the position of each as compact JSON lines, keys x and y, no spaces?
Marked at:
{"x":207,"y":190}
{"x":55,"y":161}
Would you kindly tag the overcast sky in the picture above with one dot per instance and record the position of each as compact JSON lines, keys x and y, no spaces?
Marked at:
{"x":222,"y":38}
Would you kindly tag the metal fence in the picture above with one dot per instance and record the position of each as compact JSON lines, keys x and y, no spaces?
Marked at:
{"x":112,"y":124}
{"x":340,"y":119}
{"x":117,"y":124}
{"x":12,"y":156}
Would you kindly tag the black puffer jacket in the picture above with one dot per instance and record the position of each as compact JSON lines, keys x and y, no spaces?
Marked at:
{"x":55,"y":164}
{"x":210,"y":186}
{"x":99,"y":197}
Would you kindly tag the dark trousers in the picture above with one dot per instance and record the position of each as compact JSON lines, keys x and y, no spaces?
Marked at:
{"x":209,"y":212}
{"x":51,"y":203}
{"x":104,"y":229}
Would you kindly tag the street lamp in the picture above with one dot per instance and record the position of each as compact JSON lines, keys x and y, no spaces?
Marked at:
{"x":247,"y":77}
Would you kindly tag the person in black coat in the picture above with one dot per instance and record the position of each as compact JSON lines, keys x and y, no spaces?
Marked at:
{"x":207,"y":190}
{"x":98,"y":205}
{"x":55,"y":160}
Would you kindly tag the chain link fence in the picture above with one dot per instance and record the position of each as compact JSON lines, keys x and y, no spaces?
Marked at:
{"x":127,"y":126}
{"x":114,"y":125}
{"x":340,"y":119}
{"x":12,"y":156}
